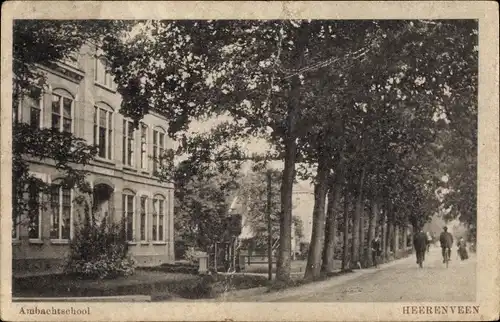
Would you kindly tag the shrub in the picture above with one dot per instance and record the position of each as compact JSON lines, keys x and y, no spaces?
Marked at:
{"x":99,"y":249}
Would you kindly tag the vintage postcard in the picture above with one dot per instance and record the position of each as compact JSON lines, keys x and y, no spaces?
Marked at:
{"x":250,"y":161}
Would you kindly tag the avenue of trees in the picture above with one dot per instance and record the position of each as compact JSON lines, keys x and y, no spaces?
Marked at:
{"x":375,"y":113}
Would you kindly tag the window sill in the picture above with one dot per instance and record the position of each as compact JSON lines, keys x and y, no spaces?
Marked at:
{"x":16,"y":242}
{"x":104,"y":87}
{"x":144,"y":243}
{"x":132,"y":243}
{"x":159,"y":243}
{"x":103,"y":160}
{"x":144,"y":171}
{"x":59,"y":241}
{"x":129,"y":168}
{"x":36,"y":241}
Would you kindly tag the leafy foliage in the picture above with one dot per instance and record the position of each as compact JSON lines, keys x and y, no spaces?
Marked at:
{"x":99,"y":248}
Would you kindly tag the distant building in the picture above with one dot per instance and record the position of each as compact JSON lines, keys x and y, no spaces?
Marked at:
{"x":81,"y":98}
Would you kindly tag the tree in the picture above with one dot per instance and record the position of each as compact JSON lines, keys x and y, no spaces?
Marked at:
{"x":202,"y":204}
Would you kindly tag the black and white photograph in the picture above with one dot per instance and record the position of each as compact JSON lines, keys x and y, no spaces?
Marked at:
{"x":252,"y":160}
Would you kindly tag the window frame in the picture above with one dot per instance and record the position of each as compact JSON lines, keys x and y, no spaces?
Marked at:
{"x":144,"y":144}
{"x":100,"y":64}
{"x":61,"y":111}
{"x":157,"y":148}
{"x":156,"y":213}
{"x":110,"y":122}
{"x":60,"y":215}
{"x":19,"y":114}
{"x":125,"y":211}
{"x":145,"y":216}
{"x":126,"y":153}
{"x":40,"y":214}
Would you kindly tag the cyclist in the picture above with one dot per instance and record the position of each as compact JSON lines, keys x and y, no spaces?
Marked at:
{"x":446,"y":240}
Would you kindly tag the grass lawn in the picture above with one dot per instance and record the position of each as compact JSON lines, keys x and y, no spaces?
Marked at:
{"x":158,"y":285}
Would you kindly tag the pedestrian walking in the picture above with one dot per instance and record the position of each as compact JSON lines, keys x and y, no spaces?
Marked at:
{"x":429,"y":241}
{"x":462,"y":249}
{"x":376,"y":249}
{"x":420,"y":244}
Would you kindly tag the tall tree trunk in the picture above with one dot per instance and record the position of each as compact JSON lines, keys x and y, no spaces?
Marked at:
{"x":357,"y":222}
{"x":313,"y":268}
{"x":372,"y":231}
{"x":405,"y":237}
{"x":395,"y":241}
{"x":331,"y":228}
{"x":362,"y":227}
{"x":331,"y":218}
{"x":347,"y":222}
{"x":283,"y":265}
{"x":384,"y":233}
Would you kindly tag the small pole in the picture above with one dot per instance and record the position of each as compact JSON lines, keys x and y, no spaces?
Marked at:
{"x":269,"y":227}
{"x":215,"y":258}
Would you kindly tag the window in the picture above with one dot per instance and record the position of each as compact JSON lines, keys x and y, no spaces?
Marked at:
{"x":144,"y":146}
{"x":144,"y":209}
{"x":158,"y":148}
{"x":61,"y":209}
{"x":128,"y":216}
{"x":103,"y":131}
{"x":158,"y":219}
{"x":32,"y":106}
{"x":62,"y":113}
{"x":33,"y":213}
{"x":102,"y":76}
{"x":128,"y":143}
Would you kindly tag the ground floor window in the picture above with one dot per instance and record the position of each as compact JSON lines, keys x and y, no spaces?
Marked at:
{"x":61,"y":210}
{"x":34,"y":215}
{"x":128,"y":215}
{"x":144,"y":209}
{"x":158,"y":219}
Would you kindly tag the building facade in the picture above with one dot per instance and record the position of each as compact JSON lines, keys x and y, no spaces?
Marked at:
{"x":81,"y":98}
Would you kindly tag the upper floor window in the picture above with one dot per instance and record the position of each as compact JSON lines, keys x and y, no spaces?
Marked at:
{"x":158,"y":148}
{"x":31,"y":106}
{"x":61,"y":213}
{"x":62,"y":112}
{"x":102,"y":76}
{"x":144,"y":146}
{"x":103,"y":131}
{"x":128,"y":143}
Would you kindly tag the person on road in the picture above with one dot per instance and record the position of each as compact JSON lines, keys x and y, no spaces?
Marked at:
{"x":420,"y":244}
{"x":462,"y":249}
{"x":376,"y":249}
{"x":429,"y":241}
{"x":446,"y":240}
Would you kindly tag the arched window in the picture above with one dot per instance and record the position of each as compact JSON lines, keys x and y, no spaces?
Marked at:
{"x":103,"y":130}
{"x":158,"y":219}
{"x":62,"y":111}
{"x":128,"y":207}
{"x":61,"y":213}
{"x":158,"y":148}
